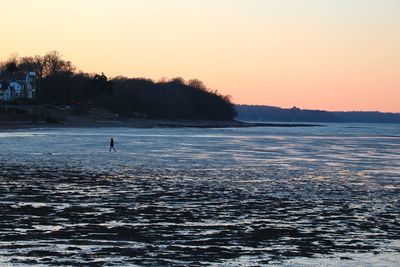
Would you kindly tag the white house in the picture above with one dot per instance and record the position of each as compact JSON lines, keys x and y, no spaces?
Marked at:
{"x":30,"y":82}
{"x":16,"y":89}
{"x":17,"y":85}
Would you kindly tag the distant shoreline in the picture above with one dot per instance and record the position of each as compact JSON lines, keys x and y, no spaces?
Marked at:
{"x":144,"y":123}
{"x":277,"y":114}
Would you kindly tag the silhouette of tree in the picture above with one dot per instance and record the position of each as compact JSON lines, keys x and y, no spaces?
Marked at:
{"x":197,"y":84}
{"x":53,"y":64}
{"x":27,"y":64}
{"x":11,"y":65}
{"x":59,"y":83}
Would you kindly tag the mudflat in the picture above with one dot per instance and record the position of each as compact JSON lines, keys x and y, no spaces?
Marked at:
{"x":144,"y":123}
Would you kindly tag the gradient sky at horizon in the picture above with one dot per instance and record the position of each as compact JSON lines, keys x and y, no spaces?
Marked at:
{"x":315,"y":54}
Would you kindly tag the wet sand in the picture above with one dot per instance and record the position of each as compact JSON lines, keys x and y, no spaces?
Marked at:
{"x":59,"y":216}
{"x":144,"y":123}
{"x":200,"y":197}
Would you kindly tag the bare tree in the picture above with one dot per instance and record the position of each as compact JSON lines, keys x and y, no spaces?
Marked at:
{"x":10,"y":65}
{"x":53,"y":64}
{"x":39,"y":66}
{"x":27,"y":64}
{"x":178,"y":80}
{"x":197,"y":84}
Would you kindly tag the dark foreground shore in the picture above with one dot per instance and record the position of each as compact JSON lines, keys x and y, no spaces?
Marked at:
{"x":144,"y":123}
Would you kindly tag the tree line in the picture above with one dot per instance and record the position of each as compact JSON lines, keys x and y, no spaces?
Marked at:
{"x":60,"y":83}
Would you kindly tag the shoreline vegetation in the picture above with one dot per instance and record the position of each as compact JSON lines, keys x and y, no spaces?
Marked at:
{"x":60,"y":87}
{"x":65,"y":97}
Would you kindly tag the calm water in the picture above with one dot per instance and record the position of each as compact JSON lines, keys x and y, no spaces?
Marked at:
{"x":191,"y":197}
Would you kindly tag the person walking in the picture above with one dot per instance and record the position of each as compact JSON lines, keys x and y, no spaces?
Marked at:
{"x":112,"y":145}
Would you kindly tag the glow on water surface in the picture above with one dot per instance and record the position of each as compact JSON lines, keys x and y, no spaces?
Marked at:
{"x":221,"y":197}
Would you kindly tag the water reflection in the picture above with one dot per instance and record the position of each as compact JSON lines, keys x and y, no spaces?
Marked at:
{"x":198,"y":197}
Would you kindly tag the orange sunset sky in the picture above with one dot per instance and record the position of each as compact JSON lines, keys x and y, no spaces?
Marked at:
{"x":314,"y":54}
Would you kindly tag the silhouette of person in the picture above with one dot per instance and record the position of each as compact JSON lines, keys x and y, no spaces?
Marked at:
{"x":112,"y":145}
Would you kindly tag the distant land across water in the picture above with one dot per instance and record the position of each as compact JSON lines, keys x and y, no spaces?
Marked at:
{"x":276,"y":114}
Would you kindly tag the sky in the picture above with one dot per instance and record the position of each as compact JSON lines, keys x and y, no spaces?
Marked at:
{"x":313,"y":54}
